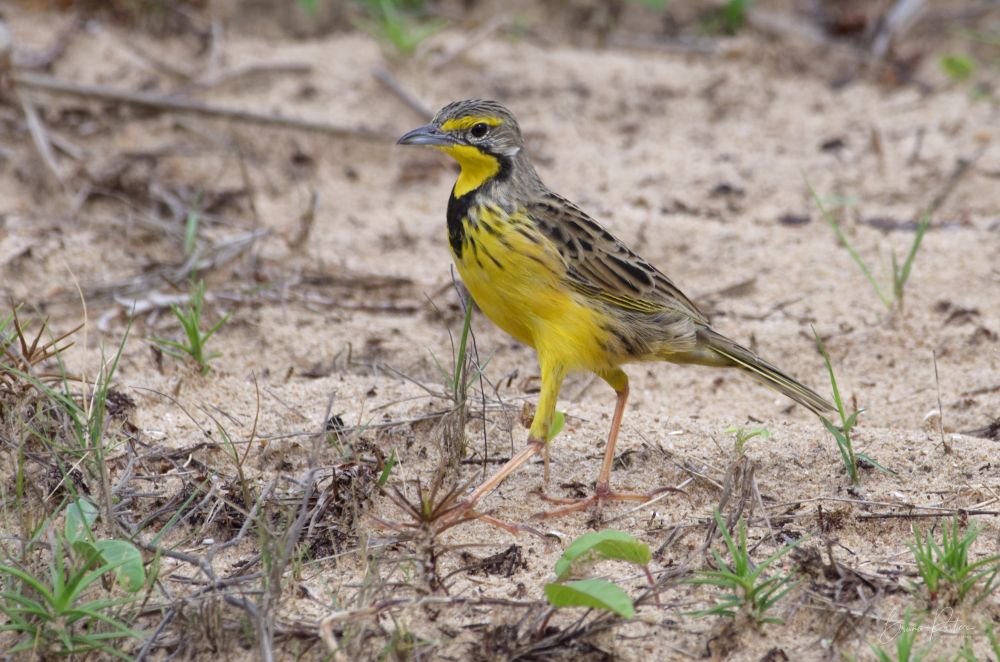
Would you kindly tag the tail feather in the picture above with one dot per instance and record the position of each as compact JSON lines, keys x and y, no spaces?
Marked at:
{"x":766,"y":373}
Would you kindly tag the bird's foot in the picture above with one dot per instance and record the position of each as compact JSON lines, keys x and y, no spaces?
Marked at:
{"x":596,"y":500}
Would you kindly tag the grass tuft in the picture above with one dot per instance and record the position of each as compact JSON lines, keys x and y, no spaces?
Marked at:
{"x":403,"y":24}
{"x":946,"y":570}
{"x":193,"y":344}
{"x":746,"y":589}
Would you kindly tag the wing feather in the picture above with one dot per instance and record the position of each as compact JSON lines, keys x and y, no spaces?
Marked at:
{"x":599,"y":265}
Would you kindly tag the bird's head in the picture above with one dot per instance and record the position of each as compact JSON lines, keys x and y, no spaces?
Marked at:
{"x":483,"y":136}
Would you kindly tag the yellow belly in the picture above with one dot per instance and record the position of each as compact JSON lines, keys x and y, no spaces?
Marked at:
{"x":517,"y":282}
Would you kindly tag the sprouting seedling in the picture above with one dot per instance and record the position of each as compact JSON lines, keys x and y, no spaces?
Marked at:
{"x":404,"y":29}
{"x":945,"y":566}
{"x":744,"y":435}
{"x":195,"y":339}
{"x":431,"y":508}
{"x":842,"y":434}
{"x":959,"y":68}
{"x":390,"y":464}
{"x":594,"y":592}
{"x":727,"y":19}
{"x":900,"y":273}
{"x":459,"y":377}
{"x":745,"y":586}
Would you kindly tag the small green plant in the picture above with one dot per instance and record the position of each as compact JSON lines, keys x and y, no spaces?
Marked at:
{"x":747,"y":589}
{"x":459,"y":376}
{"x":194,"y":342}
{"x":900,"y":273}
{"x":592,"y":592}
{"x":945,"y":566}
{"x":81,"y":515}
{"x":431,"y":510}
{"x":842,"y":435}
{"x":390,"y":464}
{"x":727,"y":19}
{"x":461,"y":381}
{"x":58,"y":617}
{"x":401,"y":23}
{"x":906,"y":641}
{"x":959,"y":68}
{"x":743,"y":435}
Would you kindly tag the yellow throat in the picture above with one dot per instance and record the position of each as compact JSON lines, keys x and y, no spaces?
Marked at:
{"x":477,"y":167}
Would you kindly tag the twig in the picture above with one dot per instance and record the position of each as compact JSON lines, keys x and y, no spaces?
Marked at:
{"x":41,"y":138}
{"x":170,"y":104}
{"x":684,"y":46}
{"x":306,"y":220}
{"x":250,"y":71}
{"x":937,"y":385}
{"x":944,"y":513}
{"x":394,"y":86}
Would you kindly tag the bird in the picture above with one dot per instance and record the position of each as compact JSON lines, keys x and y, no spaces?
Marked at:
{"x":558,"y":281}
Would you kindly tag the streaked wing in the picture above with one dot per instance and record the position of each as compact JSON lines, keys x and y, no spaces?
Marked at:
{"x":601,"y":266}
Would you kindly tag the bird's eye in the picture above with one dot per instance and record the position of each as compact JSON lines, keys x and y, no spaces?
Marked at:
{"x":479,"y":130}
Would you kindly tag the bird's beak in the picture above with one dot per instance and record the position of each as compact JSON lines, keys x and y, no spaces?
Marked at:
{"x":429,"y":134}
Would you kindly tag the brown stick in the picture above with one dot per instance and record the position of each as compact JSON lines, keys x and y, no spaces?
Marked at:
{"x":160,"y":103}
{"x":394,"y":86}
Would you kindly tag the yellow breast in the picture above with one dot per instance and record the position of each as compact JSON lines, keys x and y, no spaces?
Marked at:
{"x":516,"y":277}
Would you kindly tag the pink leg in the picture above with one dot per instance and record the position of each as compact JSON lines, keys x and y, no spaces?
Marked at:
{"x":603,"y":492}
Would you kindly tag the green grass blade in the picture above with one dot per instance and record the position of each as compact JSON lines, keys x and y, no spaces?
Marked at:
{"x":842,"y":238}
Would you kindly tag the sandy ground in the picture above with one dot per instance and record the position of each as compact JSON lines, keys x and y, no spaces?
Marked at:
{"x":696,"y":161}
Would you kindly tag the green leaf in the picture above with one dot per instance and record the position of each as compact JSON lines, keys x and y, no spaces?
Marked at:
{"x":595,"y":593}
{"x":80,"y":518}
{"x":191,"y":231}
{"x":852,"y":419}
{"x":868,"y":458}
{"x":608,"y":544}
{"x":958,"y":67}
{"x":389,"y":464}
{"x":557,"y":424}
{"x":127,"y":560}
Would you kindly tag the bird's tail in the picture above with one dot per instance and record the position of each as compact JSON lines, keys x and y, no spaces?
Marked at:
{"x":741,"y":357}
